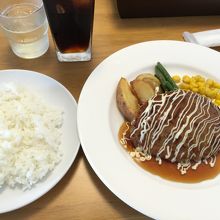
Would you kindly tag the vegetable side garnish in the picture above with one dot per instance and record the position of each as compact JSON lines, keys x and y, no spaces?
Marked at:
{"x":167,"y":83}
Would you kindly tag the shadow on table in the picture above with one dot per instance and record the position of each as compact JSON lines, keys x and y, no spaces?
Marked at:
{"x":166,"y":22}
{"x":120,"y":207}
{"x":164,"y":25}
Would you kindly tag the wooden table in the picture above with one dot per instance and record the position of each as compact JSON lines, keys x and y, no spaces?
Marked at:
{"x":80,"y":194}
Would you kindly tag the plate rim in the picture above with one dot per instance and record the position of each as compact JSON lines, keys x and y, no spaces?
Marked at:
{"x":91,"y":162}
{"x":77,"y":147}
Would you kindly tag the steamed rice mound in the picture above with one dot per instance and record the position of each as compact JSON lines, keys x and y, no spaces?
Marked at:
{"x":30,"y":136}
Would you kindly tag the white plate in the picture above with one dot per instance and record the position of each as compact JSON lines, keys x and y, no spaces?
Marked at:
{"x":99,"y":121}
{"x":57,"y":95}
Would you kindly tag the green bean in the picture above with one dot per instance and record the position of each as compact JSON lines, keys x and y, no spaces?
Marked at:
{"x":169,"y":86}
{"x":166,"y":75}
{"x":161,"y":78}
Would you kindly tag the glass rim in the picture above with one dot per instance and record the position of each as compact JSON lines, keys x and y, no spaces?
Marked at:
{"x":22,"y":16}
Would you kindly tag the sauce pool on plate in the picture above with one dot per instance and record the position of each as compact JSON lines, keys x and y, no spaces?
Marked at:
{"x":168,"y":170}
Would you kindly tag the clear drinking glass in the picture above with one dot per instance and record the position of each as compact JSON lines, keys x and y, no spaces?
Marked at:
{"x":71,"y":24}
{"x":25,"y":25}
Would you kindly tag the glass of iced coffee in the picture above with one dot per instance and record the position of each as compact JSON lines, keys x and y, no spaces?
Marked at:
{"x":71,"y":24}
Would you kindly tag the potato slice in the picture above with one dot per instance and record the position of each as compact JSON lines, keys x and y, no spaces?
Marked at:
{"x":126,"y":101}
{"x":152,"y":82}
{"x":143,"y":90}
{"x":147,"y":76}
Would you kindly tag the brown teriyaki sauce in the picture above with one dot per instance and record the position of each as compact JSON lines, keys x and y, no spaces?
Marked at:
{"x":168,"y":170}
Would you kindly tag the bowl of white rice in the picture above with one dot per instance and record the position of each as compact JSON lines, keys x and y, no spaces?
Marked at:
{"x":38,"y":136}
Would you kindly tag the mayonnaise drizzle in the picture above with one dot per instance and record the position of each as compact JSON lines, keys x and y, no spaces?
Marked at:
{"x":195,"y":127}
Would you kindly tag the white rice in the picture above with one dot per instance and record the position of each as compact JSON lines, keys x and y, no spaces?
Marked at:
{"x":30,"y":135}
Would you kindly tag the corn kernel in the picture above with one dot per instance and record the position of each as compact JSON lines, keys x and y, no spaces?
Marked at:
{"x":186,"y":79}
{"x":216,"y":85}
{"x":217,"y":102}
{"x":192,"y":81}
{"x":176,"y":78}
{"x":209,"y":82}
{"x":194,"y":78}
{"x":193,"y":85}
{"x":184,"y":86}
{"x":200,"y":78}
{"x":213,"y":93}
{"x":208,"y":92}
{"x":202,"y":90}
{"x":195,"y":89}
{"x":200,"y":84}
{"x":218,"y":96}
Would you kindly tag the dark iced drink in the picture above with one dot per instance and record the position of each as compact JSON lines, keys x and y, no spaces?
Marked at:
{"x":71,"y":24}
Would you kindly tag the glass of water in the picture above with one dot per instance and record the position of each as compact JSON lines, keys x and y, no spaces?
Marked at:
{"x":25,"y":26}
